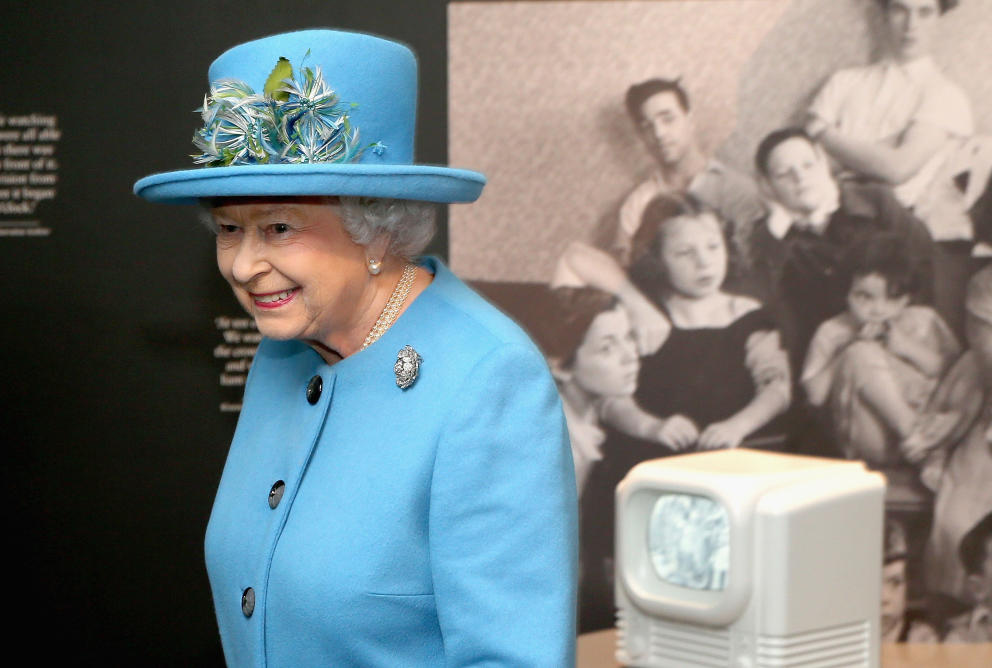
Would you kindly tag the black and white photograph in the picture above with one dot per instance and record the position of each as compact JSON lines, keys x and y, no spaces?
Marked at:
{"x":756,"y":224}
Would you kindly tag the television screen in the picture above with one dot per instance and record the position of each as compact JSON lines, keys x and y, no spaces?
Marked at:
{"x":689,"y":541}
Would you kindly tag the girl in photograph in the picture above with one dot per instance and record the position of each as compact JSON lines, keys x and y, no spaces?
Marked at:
{"x":721,"y":374}
{"x":877,"y":364}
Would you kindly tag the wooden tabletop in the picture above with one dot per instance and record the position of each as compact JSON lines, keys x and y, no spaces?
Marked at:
{"x":596,"y":651}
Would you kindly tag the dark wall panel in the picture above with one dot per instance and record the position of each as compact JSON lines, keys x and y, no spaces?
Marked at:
{"x":109,"y":402}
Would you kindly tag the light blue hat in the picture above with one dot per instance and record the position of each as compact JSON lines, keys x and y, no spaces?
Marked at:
{"x":314,"y":112}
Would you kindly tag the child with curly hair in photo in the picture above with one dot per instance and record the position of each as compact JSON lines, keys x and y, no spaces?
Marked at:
{"x":876,"y":364}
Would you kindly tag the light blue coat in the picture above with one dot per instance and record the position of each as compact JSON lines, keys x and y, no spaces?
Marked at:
{"x":433,"y":526}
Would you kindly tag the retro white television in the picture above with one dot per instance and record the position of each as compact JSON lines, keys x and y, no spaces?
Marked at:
{"x":749,"y":559}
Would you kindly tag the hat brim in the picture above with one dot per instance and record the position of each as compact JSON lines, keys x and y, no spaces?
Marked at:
{"x":415,"y":182}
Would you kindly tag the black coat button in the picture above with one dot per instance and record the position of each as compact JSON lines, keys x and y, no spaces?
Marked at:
{"x":314,"y":388}
{"x":248,"y":601}
{"x":275,"y":494}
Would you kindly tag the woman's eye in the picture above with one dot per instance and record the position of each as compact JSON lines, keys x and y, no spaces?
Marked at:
{"x":603,"y":347}
{"x":227,"y":229}
{"x":280,"y":228}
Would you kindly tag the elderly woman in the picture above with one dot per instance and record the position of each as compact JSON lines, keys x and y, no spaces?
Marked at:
{"x":399,"y":491}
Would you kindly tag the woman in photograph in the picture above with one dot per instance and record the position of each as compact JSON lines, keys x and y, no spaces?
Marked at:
{"x":593,"y":356}
{"x":586,"y":335}
{"x":399,"y":490}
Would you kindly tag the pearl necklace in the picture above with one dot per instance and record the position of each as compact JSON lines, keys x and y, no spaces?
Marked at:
{"x":392,"y":307}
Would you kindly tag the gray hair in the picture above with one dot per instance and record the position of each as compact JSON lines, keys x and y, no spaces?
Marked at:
{"x":409,"y":224}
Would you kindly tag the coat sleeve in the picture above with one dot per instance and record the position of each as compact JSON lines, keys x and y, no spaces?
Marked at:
{"x":503,"y":519}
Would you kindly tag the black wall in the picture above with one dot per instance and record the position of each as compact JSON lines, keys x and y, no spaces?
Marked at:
{"x":113,"y":441}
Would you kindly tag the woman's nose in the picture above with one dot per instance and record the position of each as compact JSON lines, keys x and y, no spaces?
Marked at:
{"x":629,"y":352}
{"x":249,"y":260}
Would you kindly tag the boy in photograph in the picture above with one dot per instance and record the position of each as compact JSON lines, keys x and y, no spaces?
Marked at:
{"x":796,"y":252}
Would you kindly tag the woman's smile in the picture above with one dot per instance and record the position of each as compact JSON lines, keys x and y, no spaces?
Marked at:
{"x":271,"y":300}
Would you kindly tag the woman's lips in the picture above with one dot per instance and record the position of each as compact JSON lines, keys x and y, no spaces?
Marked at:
{"x":706,"y":281}
{"x":271,"y":300}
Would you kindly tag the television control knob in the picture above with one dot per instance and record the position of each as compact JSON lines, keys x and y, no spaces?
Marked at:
{"x":636,"y":637}
{"x":743,"y":651}
{"x":637,"y":647}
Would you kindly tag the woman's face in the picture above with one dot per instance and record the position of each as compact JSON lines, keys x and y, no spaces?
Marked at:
{"x":292,"y":266}
{"x":912,"y":26}
{"x":606,"y":362}
{"x":694,"y":255}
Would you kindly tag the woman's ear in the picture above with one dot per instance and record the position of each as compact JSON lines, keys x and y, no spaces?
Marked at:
{"x":377,"y":248}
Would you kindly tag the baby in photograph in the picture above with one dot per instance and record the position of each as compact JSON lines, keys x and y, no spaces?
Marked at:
{"x":721,"y":373}
{"x":876,"y":364}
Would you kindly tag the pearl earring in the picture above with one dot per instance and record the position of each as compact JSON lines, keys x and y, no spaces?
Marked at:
{"x":375,"y":266}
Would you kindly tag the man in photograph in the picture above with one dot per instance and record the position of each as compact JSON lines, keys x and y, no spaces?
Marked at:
{"x":898,"y":119}
{"x":661,"y":114}
{"x":901,"y":122}
{"x":662,"y":117}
